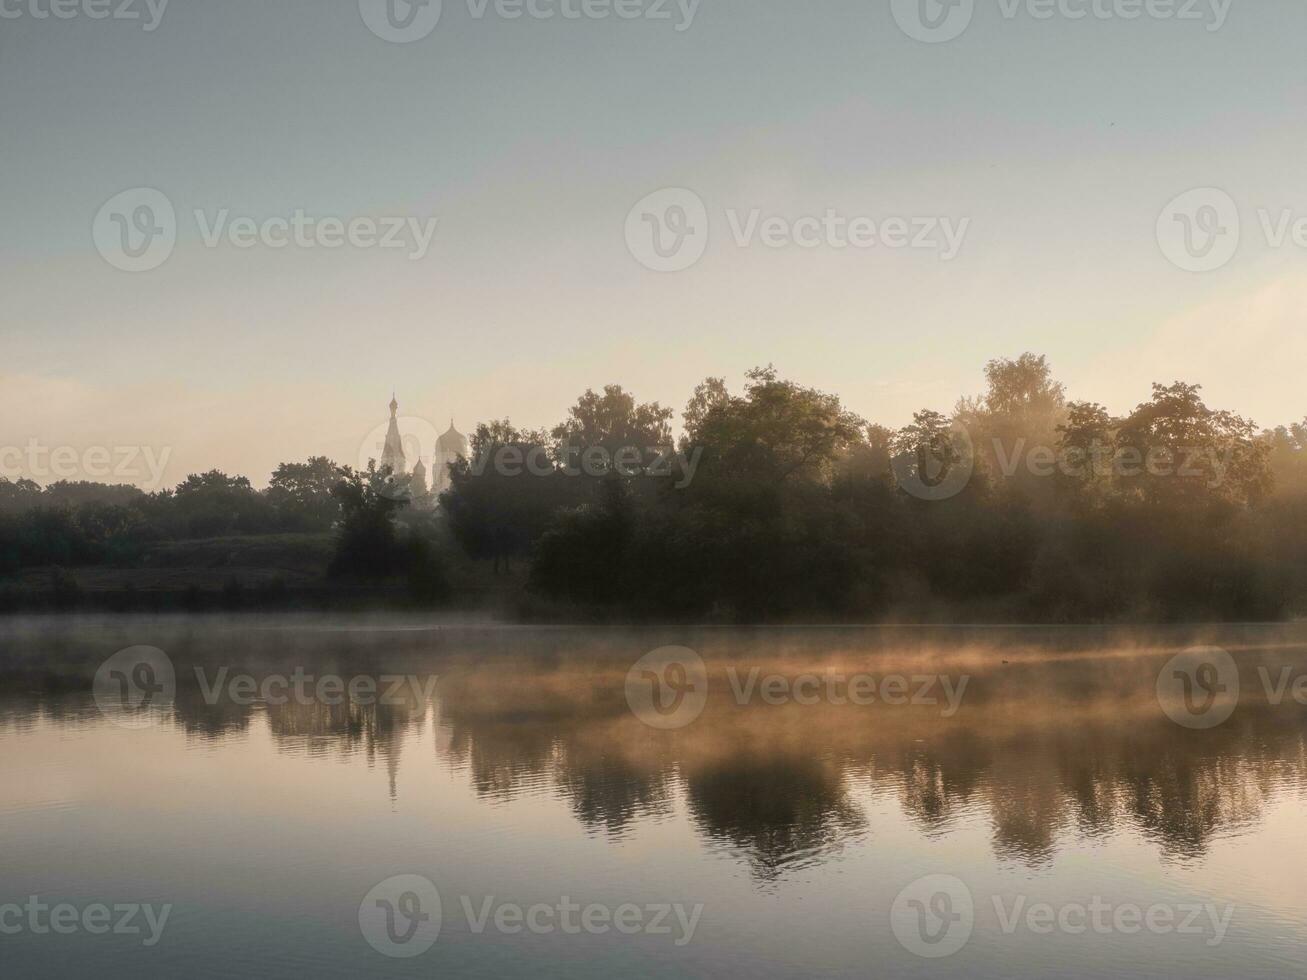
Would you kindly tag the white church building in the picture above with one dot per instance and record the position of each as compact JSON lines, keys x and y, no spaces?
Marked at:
{"x":430,"y":475}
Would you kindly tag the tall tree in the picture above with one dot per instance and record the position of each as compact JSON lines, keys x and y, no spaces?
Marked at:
{"x":614,"y":422}
{"x":501,"y":500}
{"x":1176,"y":450}
{"x":303,"y":493}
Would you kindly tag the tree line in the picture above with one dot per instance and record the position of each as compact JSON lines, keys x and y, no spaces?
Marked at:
{"x":778,"y":503}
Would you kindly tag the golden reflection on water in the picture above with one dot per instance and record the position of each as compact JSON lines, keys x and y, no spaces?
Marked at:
{"x":1058,"y":735}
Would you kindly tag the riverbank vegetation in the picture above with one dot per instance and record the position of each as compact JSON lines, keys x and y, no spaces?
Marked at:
{"x":773,"y":503}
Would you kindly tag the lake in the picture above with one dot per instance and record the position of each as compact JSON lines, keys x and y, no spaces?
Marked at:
{"x":342,"y":797}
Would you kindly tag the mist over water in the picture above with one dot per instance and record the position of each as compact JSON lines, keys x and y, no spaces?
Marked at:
{"x":827,"y":770}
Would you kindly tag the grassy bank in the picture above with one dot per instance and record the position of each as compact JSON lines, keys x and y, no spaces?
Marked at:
{"x":264,"y":572}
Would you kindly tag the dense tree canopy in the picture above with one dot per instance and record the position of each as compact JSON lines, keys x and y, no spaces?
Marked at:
{"x":777,"y":502}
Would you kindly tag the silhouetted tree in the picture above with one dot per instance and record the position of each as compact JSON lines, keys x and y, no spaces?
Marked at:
{"x":501,"y":501}
{"x":367,"y":545}
{"x":301,"y":493}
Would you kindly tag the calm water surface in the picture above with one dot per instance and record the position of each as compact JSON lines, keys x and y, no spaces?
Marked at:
{"x":514,"y":772}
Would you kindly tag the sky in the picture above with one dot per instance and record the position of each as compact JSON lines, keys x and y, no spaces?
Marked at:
{"x":1054,"y":146}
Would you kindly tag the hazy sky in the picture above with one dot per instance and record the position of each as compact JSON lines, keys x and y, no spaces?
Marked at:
{"x":1058,"y":141}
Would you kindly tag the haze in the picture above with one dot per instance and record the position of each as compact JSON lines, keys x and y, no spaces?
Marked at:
{"x":1060,"y":140}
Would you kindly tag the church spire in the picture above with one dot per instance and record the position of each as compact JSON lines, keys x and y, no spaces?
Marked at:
{"x":392,"y":454}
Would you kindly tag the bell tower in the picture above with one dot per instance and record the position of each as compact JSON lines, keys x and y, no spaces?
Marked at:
{"x":392,"y":454}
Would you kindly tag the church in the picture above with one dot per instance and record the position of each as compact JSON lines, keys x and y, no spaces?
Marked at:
{"x":448,"y":448}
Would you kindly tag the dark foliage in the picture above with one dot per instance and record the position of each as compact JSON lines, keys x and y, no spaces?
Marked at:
{"x":777,"y":504}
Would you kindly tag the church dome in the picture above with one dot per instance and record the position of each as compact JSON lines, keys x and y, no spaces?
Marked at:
{"x":453,"y":442}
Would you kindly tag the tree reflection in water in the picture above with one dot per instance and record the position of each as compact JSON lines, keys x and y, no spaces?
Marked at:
{"x":1059,"y":733}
